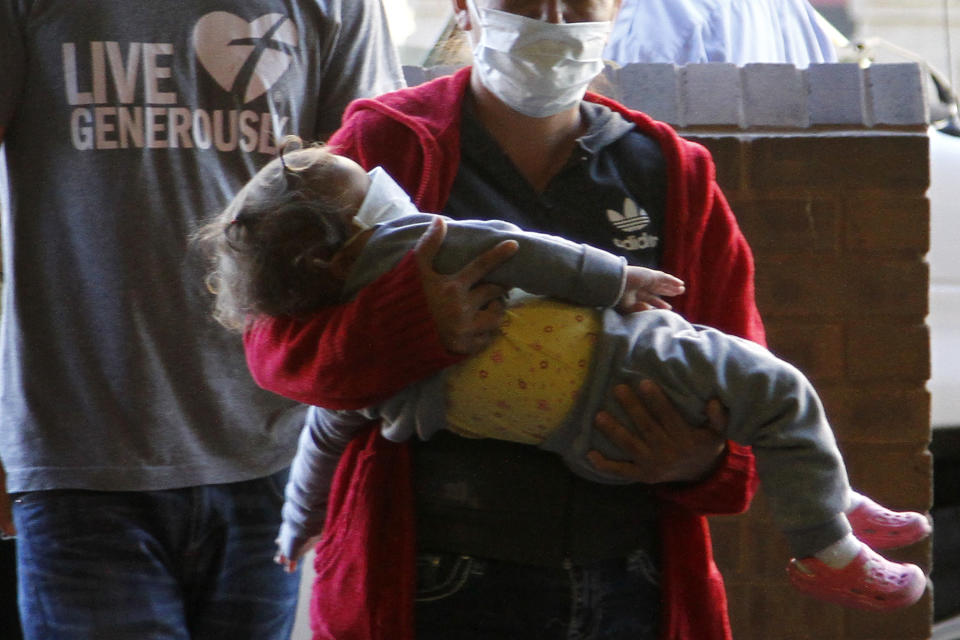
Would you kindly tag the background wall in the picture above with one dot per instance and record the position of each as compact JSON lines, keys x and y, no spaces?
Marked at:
{"x":827,"y":171}
{"x":839,"y":223}
{"x":929,"y":28}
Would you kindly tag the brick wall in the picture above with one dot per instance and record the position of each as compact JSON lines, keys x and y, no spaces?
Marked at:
{"x":827,"y":170}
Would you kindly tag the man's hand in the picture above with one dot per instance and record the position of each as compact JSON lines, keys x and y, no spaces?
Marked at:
{"x":643,"y":288}
{"x":6,"y":508}
{"x":467,"y":314}
{"x":662,"y":446}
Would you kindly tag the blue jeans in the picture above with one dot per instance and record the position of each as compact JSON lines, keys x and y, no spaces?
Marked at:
{"x":479,"y":599}
{"x":181,"y":564}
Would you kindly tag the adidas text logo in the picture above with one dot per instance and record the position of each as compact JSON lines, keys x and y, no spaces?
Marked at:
{"x":637,"y":243}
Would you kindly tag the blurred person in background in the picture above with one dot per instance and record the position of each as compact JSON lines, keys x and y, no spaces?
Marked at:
{"x":737,"y":31}
{"x":145,"y":467}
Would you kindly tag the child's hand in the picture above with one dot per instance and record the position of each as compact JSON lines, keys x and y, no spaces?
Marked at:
{"x":295,"y":547}
{"x":288,"y":565}
{"x":644,"y":288}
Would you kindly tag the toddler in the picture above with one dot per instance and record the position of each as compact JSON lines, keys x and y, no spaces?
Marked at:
{"x":312,"y":228}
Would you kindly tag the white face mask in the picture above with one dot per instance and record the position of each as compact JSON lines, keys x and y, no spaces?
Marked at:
{"x":385,"y":201}
{"x":538,"y":68}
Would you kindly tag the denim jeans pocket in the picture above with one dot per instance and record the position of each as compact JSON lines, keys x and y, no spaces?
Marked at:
{"x":33,"y":497}
{"x":75,"y":512}
{"x":441,"y":575}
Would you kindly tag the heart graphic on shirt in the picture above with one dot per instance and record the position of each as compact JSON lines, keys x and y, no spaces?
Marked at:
{"x":245,"y":58}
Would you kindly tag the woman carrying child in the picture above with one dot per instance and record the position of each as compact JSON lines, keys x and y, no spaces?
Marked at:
{"x":503,"y":515}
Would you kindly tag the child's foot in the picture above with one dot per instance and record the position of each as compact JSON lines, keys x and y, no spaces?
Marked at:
{"x":869,"y":581}
{"x":881,"y":528}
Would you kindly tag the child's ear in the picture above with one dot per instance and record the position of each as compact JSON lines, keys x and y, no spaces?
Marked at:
{"x":342,"y":261}
{"x":339,"y":265}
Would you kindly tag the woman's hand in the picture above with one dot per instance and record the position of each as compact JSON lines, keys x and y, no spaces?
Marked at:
{"x":468,"y":314}
{"x":662,"y":446}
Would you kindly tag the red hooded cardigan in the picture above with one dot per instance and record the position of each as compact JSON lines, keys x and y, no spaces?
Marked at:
{"x":362,"y":352}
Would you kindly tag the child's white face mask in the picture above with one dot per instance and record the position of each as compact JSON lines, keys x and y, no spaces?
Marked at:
{"x":538,"y":68}
{"x":385,"y":201}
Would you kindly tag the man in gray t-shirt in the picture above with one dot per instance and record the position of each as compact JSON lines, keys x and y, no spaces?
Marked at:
{"x":144,"y":462}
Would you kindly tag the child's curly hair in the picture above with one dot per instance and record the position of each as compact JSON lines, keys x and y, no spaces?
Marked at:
{"x":270,"y":249}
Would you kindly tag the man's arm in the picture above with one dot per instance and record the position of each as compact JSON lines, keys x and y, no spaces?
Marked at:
{"x":690,"y":464}
{"x":6,"y":513}
{"x":6,"y":508}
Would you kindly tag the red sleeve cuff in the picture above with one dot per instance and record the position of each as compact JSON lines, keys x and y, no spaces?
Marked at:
{"x":353,"y":355}
{"x":727,"y":491}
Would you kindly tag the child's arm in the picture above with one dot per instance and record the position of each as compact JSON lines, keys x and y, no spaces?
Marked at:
{"x":323,"y":440}
{"x":543,"y":265}
{"x":359,"y":353}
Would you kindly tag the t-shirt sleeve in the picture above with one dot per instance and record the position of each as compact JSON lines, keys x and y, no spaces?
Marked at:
{"x":359,"y":59}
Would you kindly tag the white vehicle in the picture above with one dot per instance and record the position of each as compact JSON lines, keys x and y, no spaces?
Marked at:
{"x":944,"y":259}
{"x":944,"y":323}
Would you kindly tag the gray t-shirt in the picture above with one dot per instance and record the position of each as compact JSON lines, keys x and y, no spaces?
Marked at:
{"x":127,"y":124}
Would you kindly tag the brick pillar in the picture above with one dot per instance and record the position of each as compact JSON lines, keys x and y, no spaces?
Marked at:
{"x":827,"y":170}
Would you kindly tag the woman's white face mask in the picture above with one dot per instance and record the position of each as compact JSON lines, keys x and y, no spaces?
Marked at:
{"x":537,"y":68}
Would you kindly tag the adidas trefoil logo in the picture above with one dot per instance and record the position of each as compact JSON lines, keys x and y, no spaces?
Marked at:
{"x":632,"y":219}
{"x":245,"y":58}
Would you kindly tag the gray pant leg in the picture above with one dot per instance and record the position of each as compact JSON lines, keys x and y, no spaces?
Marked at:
{"x":800,"y":468}
{"x":772,"y":407}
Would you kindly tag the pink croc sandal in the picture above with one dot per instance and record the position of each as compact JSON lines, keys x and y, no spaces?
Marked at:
{"x":881,"y":528}
{"x":870,"y":582}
